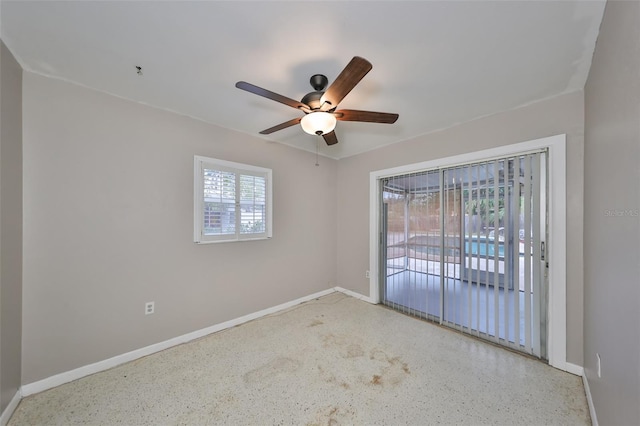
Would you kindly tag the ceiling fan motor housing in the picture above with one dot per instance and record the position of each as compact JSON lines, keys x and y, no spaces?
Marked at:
{"x":319,"y":83}
{"x":313,"y":100}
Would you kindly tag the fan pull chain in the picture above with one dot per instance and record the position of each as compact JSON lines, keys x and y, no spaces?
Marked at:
{"x":317,"y":164}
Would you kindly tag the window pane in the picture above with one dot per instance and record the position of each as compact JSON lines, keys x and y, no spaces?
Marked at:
{"x":232,"y":202}
{"x":219,"y":202}
{"x":252,"y":204}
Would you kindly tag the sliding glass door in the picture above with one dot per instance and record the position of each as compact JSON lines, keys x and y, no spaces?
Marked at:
{"x":464,"y":246}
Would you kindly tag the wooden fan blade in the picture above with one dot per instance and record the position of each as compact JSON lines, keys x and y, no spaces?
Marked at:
{"x":366,"y":116}
{"x":347,"y":80}
{"x":281,"y":126}
{"x":271,"y":95}
{"x":330,"y":138}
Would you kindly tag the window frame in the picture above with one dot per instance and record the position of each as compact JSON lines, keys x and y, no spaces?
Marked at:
{"x":239,"y":169}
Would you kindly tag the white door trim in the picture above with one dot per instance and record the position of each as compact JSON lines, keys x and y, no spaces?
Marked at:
{"x":556,"y":244}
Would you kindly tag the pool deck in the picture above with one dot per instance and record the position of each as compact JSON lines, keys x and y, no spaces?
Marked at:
{"x":452,"y":268}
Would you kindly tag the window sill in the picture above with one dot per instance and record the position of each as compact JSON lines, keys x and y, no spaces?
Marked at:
{"x":232,"y":241}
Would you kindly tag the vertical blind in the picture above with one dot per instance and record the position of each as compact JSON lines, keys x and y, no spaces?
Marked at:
{"x":462,"y":246}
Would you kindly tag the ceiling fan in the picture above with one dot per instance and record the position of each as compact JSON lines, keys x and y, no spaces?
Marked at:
{"x":319,"y":107}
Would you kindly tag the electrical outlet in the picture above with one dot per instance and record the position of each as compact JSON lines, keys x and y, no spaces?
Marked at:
{"x":599,"y":367}
{"x":366,"y":274}
{"x":149,"y":308}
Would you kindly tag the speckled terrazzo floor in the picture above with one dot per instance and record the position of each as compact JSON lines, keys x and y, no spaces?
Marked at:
{"x":334,"y":360}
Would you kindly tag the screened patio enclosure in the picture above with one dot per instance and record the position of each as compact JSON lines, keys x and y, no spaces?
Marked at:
{"x":464,"y":246}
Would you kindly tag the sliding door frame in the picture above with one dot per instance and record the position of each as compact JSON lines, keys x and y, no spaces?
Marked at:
{"x":556,"y":250}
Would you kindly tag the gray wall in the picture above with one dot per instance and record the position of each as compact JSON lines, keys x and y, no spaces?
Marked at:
{"x":564,"y":114}
{"x":108,"y":213}
{"x":612,"y":225}
{"x":10,"y":225}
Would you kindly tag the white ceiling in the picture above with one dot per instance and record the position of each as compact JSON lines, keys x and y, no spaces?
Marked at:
{"x":434,"y":63}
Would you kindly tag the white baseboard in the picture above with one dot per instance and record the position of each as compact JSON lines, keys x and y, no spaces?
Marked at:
{"x":592,"y":409}
{"x":354,"y":294}
{"x":572,"y":368}
{"x":568,"y":367}
{"x":69,"y":376}
{"x":8,"y":412}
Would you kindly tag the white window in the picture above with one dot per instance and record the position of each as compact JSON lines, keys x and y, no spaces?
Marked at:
{"x":232,"y":201}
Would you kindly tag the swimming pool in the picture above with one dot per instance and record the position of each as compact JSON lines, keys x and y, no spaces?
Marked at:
{"x":481,"y":246}
{"x":474,"y":246}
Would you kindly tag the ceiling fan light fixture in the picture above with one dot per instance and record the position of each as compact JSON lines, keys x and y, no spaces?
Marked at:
{"x":318,"y":123}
